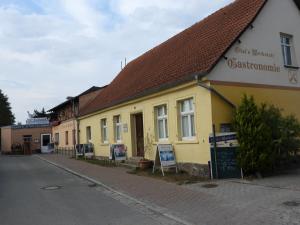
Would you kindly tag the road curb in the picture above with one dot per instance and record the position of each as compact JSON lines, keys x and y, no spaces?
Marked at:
{"x":149,"y":207}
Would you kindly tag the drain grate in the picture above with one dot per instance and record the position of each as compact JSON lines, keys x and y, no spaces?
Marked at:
{"x":51,"y":188}
{"x":209,"y":185}
{"x":292,"y":203}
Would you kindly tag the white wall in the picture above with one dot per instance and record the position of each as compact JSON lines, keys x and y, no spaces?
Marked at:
{"x":277,"y":16}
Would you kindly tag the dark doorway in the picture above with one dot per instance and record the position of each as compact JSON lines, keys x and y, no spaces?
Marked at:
{"x":139,"y":132}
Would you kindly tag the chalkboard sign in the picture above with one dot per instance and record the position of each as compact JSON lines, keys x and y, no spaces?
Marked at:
{"x":224,"y":163}
{"x":224,"y":156}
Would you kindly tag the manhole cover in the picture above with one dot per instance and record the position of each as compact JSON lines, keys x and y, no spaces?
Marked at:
{"x":51,"y":188}
{"x":292,"y":203}
{"x":209,"y":185}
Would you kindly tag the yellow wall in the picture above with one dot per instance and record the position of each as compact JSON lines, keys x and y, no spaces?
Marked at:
{"x":209,"y":109}
{"x":196,"y":151}
{"x":286,"y":99}
{"x":222,"y":112}
{"x":69,"y":126}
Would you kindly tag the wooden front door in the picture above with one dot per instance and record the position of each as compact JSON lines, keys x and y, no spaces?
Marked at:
{"x":139,"y":135}
{"x":27,"y":148}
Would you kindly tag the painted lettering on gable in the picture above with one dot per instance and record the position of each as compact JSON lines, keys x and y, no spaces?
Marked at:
{"x":253,"y":52}
{"x":234,"y":63}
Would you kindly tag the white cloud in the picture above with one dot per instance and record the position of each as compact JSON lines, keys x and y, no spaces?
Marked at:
{"x":71,"y":45}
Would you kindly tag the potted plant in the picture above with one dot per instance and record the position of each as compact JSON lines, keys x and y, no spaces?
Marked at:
{"x":146,"y":163}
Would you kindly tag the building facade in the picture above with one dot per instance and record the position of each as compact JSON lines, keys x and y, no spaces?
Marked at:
{"x":64,"y":119}
{"x":28,"y":138}
{"x":177,"y":91}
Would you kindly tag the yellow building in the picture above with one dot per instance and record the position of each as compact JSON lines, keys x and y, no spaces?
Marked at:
{"x":177,"y":91}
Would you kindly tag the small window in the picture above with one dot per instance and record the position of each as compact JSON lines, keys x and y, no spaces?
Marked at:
{"x":88,"y":134}
{"x":104,"y":135}
{"x":187,"y":119}
{"x":117,"y":128}
{"x":27,"y":138}
{"x":161,"y":122}
{"x":226,"y":127}
{"x":67,"y":137}
{"x":288,"y":50}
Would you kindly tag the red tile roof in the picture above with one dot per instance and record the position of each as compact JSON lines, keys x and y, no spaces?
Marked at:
{"x":196,"y":50}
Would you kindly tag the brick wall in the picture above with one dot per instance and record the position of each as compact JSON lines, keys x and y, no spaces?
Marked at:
{"x":17,"y":136}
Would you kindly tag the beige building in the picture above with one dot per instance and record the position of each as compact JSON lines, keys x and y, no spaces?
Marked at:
{"x":25,"y":138}
{"x":64,"y":120}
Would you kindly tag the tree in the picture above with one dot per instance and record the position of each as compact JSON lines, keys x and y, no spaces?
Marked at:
{"x":267,"y":138}
{"x":6,"y":115}
{"x":39,"y":114}
{"x":254,"y":137}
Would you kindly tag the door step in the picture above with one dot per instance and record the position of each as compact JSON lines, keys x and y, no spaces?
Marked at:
{"x":133,"y":161}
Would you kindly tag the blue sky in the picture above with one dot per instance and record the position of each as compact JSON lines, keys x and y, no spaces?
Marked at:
{"x":51,"y":49}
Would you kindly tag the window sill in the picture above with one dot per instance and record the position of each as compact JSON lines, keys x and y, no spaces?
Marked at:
{"x":162,"y":142}
{"x":104,"y":144}
{"x":187,"y":142}
{"x":291,"y":67}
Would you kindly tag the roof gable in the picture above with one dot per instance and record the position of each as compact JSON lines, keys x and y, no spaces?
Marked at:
{"x":196,"y":50}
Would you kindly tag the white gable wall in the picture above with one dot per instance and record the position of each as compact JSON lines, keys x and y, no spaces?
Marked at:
{"x":277,"y":16}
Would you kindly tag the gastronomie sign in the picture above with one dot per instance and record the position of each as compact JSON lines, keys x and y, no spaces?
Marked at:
{"x":235,"y":63}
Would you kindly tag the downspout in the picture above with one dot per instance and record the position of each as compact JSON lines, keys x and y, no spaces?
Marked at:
{"x":76,"y":120}
{"x":212,"y":90}
{"x":228,"y":102}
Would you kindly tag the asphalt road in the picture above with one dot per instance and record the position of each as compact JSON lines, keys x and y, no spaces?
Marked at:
{"x":25,"y":200}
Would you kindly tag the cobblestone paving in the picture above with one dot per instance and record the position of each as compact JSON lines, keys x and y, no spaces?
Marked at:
{"x":271,"y":201}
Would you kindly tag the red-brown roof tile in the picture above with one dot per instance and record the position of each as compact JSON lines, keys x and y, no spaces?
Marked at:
{"x":196,"y":50}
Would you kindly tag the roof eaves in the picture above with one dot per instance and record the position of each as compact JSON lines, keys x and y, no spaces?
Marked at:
{"x":62,"y":104}
{"x":150,"y":91}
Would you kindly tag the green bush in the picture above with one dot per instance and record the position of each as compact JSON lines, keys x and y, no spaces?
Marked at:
{"x":267,"y":139}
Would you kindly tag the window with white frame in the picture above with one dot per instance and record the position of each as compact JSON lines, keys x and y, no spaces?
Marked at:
{"x":117,"y":128}
{"x":187,"y":119}
{"x":104,"y":136}
{"x":288,"y":50}
{"x":161,"y":122}
{"x":88,"y":134}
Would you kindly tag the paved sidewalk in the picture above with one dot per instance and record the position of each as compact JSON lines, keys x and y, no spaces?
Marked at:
{"x":231,"y":203}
